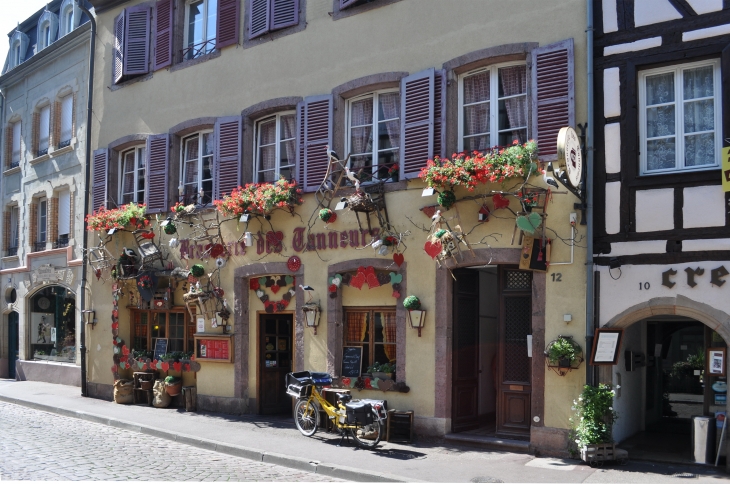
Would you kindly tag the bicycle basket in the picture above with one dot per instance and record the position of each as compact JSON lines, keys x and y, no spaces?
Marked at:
{"x":302,"y":378}
{"x":299,"y":391}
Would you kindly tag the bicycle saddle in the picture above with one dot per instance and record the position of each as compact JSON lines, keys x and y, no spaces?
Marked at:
{"x":344,"y":397}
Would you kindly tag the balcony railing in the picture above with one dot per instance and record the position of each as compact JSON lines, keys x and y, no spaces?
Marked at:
{"x":11,"y":251}
{"x":64,"y":144}
{"x":196,"y":50}
{"x":61,"y":242}
{"x":41,"y":152}
{"x":39,"y":246}
{"x":13,"y":164}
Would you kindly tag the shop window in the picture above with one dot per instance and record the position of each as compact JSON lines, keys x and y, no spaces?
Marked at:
{"x":174,"y":325}
{"x":197,"y":168}
{"x":276,"y":150}
{"x":52,"y":325}
{"x":493,"y":107}
{"x":132,"y":179}
{"x":374,"y":329}
{"x":680,"y":118}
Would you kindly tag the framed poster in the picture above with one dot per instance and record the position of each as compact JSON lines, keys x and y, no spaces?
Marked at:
{"x":716,"y":361}
{"x":606,"y":346}
{"x":40,"y":328}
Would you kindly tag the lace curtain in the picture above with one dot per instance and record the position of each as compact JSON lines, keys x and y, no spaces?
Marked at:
{"x":514,"y":81}
{"x":288,"y":132}
{"x":361,"y":133}
{"x":476,"y":116}
{"x":390,"y":106}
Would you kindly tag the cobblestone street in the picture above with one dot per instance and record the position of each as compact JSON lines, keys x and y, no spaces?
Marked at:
{"x":41,"y":446}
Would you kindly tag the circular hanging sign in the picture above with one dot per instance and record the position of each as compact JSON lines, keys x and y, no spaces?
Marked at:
{"x":569,"y":154}
{"x":294,"y":263}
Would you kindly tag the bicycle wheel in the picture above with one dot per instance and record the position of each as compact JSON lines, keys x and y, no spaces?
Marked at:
{"x":305,"y":417}
{"x":368,"y":436}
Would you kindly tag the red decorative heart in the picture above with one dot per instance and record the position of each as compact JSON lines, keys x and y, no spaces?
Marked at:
{"x":125,"y":350}
{"x":369,"y":270}
{"x":148,"y":235}
{"x":115,"y":313}
{"x":372,"y":281}
{"x":114,"y":368}
{"x":398,"y":259}
{"x":429,"y":211}
{"x":186,"y":366}
{"x":192,"y":358}
{"x":275,"y":288}
{"x":346,"y":381}
{"x":333,"y":288}
{"x":253,"y":283}
{"x":177,"y":366}
{"x":165,"y":366}
{"x":153,"y":364}
{"x":361,"y":269}
{"x":144,"y":366}
{"x":433,"y":248}
{"x":500,"y":201}
{"x":358,"y":280}
{"x":396,"y":294}
{"x":115,"y":325}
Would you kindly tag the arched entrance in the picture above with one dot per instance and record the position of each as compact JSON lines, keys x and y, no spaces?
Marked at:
{"x":52,"y":325}
{"x":663,"y":376}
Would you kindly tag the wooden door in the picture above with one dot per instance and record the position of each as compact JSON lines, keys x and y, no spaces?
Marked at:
{"x":13,"y":343}
{"x":275,"y":361}
{"x":465,"y":365}
{"x":515,"y":315}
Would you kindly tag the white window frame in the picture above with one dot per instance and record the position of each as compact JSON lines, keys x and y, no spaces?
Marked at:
{"x":44,"y":135}
{"x":278,"y":141}
{"x":200,"y":180}
{"x":139,"y":153}
{"x":16,"y":53}
{"x":375,"y":95}
{"x":66,"y":103}
{"x":16,"y":151}
{"x":679,"y":116}
{"x":494,"y":99}
{"x":68,"y":20}
{"x":14,"y":227}
{"x":42,"y":220}
{"x":206,"y":38}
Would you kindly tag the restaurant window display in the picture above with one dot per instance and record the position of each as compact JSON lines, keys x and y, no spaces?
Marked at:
{"x":173,"y":325}
{"x":373,"y":329}
{"x":53,"y":325}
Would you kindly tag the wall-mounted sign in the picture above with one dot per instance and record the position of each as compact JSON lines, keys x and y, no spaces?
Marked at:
{"x":606,"y":346}
{"x":160,"y":348}
{"x":717,"y":276}
{"x":351,"y":361}
{"x":569,"y":154}
{"x":716,"y":361}
{"x":726,"y":169}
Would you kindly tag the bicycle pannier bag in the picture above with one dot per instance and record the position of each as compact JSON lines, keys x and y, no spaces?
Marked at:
{"x":358,"y":412}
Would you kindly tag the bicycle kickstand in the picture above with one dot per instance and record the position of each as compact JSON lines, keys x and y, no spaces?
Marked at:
{"x":343,"y":435}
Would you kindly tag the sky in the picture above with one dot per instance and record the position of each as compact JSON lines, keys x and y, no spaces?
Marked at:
{"x":14,"y":11}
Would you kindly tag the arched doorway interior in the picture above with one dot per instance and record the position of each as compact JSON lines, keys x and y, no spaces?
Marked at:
{"x":53,"y":325}
{"x":13,"y":343}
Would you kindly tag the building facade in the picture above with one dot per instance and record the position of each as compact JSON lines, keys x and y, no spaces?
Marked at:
{"x":197,"y":98}
{"x":661,"y":239}
{"x":44,"y":85}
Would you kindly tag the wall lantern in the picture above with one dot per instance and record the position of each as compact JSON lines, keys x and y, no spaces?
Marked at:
{"x":89,"y":316}
{"x":312,"y":315}
{"x":417,"y":318}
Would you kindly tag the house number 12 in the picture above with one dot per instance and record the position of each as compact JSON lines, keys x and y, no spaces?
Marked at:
{"x":644,"y":285}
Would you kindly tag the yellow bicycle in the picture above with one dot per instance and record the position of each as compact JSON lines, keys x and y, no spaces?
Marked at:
{"x":364,"y":420}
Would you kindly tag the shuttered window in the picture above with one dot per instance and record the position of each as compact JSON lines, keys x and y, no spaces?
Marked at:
{"x":64,"y":215}
{"x":196,"y":179}
{"x":132,"y":176}
{"x":163,"y":33}
{"x":227,"y":156}
{"x":276,"y":147}
{"x":67,"y":110}
{"x":14,"y":226}
{"x":44,"y":127}
{"x":315,"y":122}
{"x":99,"y":177}
{"x":373,"y":135}
{"x":15,"y":157}
{"x":200,"y":28}
{"x":493,"y":107}
{"x":270,"y":15}
{"x":131,"y":44}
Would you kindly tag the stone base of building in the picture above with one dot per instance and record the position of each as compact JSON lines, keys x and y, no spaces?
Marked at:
{"x":4,"y":368}
{"x":102,"y":391}
{"x":549,"y":441}
{"x":49,"y":372}
{"x":228,"y":405}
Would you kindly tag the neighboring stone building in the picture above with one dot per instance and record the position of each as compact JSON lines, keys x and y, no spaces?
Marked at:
{"x":196,"y":98}
{"x":44,"y":86}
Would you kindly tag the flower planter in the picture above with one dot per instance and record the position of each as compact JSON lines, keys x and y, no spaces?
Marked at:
{"x":564,"y":363}
{"x":173,"y":389}
{"x":145,"y":384}
{"x":382,"y":375}
{"x":597,"y":453}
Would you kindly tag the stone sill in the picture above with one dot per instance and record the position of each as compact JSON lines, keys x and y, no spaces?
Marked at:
{"x":10,"y":258}
{"x":65,"y":149}
{"x":40,"y":159}
{"x":12,"y":171}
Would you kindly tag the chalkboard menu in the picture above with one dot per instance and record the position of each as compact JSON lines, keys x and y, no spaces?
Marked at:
{"x":160,"y":347}
{"x":351,"y":361}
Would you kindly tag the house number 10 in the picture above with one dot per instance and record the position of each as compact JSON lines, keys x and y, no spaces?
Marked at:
{"x":644,"y":285}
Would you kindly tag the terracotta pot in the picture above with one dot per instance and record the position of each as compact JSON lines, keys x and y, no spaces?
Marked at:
{"x":173,"y":389}
{"x":145,"y":384}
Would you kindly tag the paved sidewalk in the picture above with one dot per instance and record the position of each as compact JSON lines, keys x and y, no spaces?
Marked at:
{"x":276,"y":441}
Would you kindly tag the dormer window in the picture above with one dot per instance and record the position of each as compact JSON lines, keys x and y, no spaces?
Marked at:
{"x":70,"y":16}
{"x":68,"y":20}
{"x":16,"y":54}
{"x":47,"y":29}
{"x":47,"y":35}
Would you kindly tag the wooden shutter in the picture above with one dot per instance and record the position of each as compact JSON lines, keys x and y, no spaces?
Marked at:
{"x":99,"y":179}
{"x":8,"y":146}
{"x":229,"y":12}
{"x":299,"y":168}
{"x":347,"y":3}
{"x":227,"y":158}
{"x":317,"y":133}
{"x":416,"y":122}
{"x":258,"y":17}
{"x":35,"y":136}
{"x":553,"y":95}
{"x":284,"y":13}
{"x":439,"y":116}
{"x":137,"y":40}
{"x":158,"y":156}
{"x":118,"y":48}
{"x":163,"y":34}
{"x":55,"y":124}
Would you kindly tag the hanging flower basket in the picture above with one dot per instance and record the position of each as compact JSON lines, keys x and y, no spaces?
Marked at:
{"x":563,"y":355}
{"x":260,"y":198}
{"x":129,"y":216}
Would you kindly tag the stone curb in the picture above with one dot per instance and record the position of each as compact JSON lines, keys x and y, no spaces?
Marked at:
{"x":325,"y":469}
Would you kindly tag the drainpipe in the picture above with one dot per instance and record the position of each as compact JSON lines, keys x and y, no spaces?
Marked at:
{"x":588,"y":188}
{"x":87,"y":184}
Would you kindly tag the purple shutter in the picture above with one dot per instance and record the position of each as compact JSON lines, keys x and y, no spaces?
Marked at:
{"x":347,"y":3}
{"x":229,"y":12}
{"x":299,"y":176}
{"x":99,"y":179}
{"x":137,"y":40}
{"x":317,"y":116}
{"x":158,"y":156}
{"x":258,"y":17}
{"x":284,"y":13}
{"x":118,"y":48}
{"x":416,"y":122}
{"x":439,"y":126}
{"x":227,"y":159}
{"x":553,"y":95}
{"x":163,"y":34}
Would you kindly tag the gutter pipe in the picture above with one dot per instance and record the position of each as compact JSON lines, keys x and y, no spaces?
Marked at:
{"x":588,"y":189}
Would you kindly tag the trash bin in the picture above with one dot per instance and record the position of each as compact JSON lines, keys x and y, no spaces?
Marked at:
{"x":703,"y":439}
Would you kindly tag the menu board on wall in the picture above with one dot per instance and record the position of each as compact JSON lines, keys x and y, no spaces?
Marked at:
{"x":606,"y":346}
{"x":160,"y":347}
{"x":351,"y":361}
{"x":214,"y":349}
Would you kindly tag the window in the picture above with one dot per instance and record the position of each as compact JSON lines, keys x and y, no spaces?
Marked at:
{"x":172,"y":324}
{"x":493,"y":107}
{"x":197,"y":168}
{"x":276,"y":149}
{"x":14,"y":221}
{"x":16,"y":54}
{"x":679,"y":118}
{"x":46,"y":35}
{"x":271,"y":15}
{"x":373,"y":134}
{"x":132,"y":182}
{"x":64,"y":219}
{"x":42,"y":220}
{"x":44,"y":126}
{"x":68,"y":20}
{"x":375,"y":330}
{"x":200,"y":25}
{"x":15,"y":156}
{"x":67,"y":110}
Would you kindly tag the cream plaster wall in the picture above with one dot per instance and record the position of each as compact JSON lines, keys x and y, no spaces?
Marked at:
{"x":705,"y":6}
{"x":611,"y":92}
{"x":613,"y":207}
{"x":610,"y":17}
{"x":612,"y":135}
{"x":648,"y":218}
{"x":647,"y":12}
{"x":704,"y":207}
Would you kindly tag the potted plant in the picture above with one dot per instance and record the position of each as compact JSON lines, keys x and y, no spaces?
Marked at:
{"x":592,"y":422}
{"x":173,"y":385}
{"x":563,"y":352}
{"x":382,"y":371}
{"x":130,"y":216}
